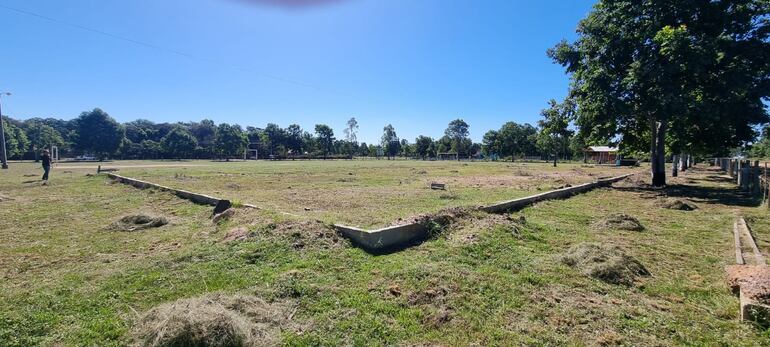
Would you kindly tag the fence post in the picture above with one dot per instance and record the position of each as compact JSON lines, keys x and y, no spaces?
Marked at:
{"x":755,"y":178}
{"x":765,"y":186}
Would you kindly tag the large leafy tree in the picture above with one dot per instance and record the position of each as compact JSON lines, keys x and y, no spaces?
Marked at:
{"x":515,"y":139}
{"x":690,"y":74}
{"x":457,"y":132}
{"x":490,"y":144}
{"x":293,"y":138}
{"x":230,"y":141}
{"x":16,"y":141}
{"x":179,"y":143}
{"x":42,"y":136}
{"x":205,"y":134}
{"x":554,"y":128}
{"x":389,"y":141}
{"x":98,"y":133}
{"x":325,"y":138}
{"x":424,"y":146}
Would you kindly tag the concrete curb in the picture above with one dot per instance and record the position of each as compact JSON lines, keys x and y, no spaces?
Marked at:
{"x":402,"y":236}
{"x":194,"y":197}
{"x":562,"y":193}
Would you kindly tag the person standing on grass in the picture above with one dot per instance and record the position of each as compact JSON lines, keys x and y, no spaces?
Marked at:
{"x":46,"y":159}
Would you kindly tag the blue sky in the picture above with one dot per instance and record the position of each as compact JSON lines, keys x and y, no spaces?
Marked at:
{"x":416,"y":64}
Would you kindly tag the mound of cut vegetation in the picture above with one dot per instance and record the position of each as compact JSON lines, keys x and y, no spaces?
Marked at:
{"x":213,"y":320}
{"x":136,"y":222}
{"x":620,"y":221}
{"x":606,"y":263}
{"x":677,"y":204}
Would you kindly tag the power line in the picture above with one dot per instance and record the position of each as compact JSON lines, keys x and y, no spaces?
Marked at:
{"x":152,"y":46}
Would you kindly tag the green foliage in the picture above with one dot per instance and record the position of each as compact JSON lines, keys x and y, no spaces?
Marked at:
{"x":16,"y":141}
{"x":179,"y":143}
{"x":698,"y":69}
{"x":424,"y":147}
{"x":325,"y":138}
{"x":554,"y":128}
{"x":515,"y":139}
{"x":389,"y":141}
{"x":457,"y":132}
{"x":98,"y":133}
{"x":42,"y":136}
{"x":231,"y":141}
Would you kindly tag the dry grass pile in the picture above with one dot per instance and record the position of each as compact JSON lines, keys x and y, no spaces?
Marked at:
{"x":606,"y":263}
{"x":310,"y":234}
{"x":213,"y":320}
{"x":677,"y":204}
{"x":620,"y":221}
{"x":136,"y":222}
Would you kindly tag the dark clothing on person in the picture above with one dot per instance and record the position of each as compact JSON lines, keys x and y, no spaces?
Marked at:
{"x":46,"y":159}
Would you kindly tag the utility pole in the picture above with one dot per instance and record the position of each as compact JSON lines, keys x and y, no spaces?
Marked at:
{"x":3,"y":157}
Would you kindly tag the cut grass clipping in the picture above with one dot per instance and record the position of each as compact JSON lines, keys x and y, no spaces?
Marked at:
{"x":620,"y":221}
{"x":606,"y":263}
{"x":136,"y":222}
{"x":213,"y":320}
{"x":677,"y":204}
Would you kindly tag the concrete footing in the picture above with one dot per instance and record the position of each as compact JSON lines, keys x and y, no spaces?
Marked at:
{"x":402,"y":236}
{"x":393,"y":237}
{"x":194,"y":197}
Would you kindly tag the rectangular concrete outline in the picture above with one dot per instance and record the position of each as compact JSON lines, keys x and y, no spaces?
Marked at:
{"x":194,"y":197}
{"x":400,"y":236}
{"x":397,"y":236}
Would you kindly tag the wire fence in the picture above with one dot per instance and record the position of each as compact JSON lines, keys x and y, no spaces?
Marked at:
{"x":749,"y":176}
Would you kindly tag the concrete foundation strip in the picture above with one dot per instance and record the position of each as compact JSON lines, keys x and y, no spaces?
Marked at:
{"x":400,"y":236}
{"x":194,"y":197}
{"x":392,"y":237}
{"x":751,"y":309}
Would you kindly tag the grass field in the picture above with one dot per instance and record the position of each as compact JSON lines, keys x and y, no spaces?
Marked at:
{"x":372,"y":192}
{"x":67,"y":279}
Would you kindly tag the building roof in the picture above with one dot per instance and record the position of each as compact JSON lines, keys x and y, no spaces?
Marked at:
{"x":602,"y":149}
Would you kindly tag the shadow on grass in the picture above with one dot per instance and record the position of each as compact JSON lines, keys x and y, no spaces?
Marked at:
{"x":729,"y":196}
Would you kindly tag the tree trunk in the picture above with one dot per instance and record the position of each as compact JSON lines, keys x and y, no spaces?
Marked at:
{"x":674,"y":166}
{"x":554,"y":159}
{"x":658,"y":153}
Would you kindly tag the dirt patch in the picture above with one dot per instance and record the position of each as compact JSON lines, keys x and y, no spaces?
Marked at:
{"x":606,"y":263}
{"x":237,"y":234}
{"x":213,"y":320}
{"x":677,"y":204}
{"x":4,"y":198}
{"x":137,"y":222}
{"x":752,"y":280}
{"x":620,"y":221}
{"x":221,"y":217}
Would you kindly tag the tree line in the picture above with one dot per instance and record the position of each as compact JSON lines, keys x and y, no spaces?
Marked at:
{"x":96,"y":133}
